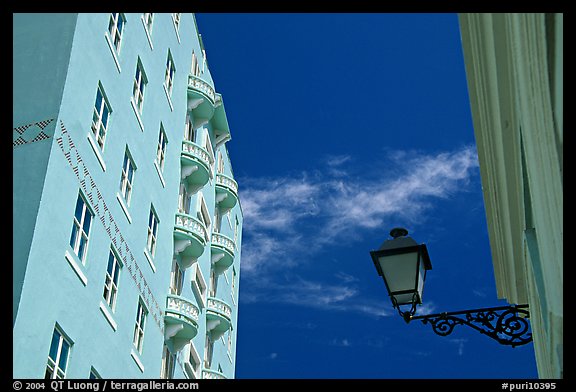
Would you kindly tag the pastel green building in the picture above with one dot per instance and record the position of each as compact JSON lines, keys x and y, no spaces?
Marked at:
{"x":514,"y":66}
{"x":127,"y":226}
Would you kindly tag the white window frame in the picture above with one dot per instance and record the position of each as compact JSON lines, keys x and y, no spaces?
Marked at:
{"x":199,"y":284}
{"x":53,"y":364}
{"x":195,"y":67}
{"x":208,"y":146}
{"x":139,"y":87}
{"x":193,"y":357}
{"x":139,"y":328}
{"x":168,"y":364}
{"x":233,"y":285}
{"x":99,"y":125}
{"x":176,"y":17}
{"x":112,"y":281}
{"x":169,"y":75}
{"x":80,"y":237}
{"x":208,"y":352}
{"x":203,"y":215}
{"x":114,"y":32}
{"x":161,"y":149}
{"x":127,"y":177}
{"x":148,"y":22}
{"x":153,"y":223}
{"x":176,"y":278}
{"x":213,"y":283}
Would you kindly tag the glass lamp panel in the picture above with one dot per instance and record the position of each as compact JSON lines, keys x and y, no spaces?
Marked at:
{"x":400,"y":271}
{"x":404,"y":299}
{"x":421,"y":278}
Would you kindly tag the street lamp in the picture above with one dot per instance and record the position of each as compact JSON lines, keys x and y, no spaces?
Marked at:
{"x":403,"y":263}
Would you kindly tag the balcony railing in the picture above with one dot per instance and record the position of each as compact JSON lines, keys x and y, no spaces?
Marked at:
{"x":197,"y":84}
{"x":219,"y":306}
{"x":223,"y":250}
{"x":212,"y":375}
{"x":218,"y":317}
{"x":181,"y":321}
{"x":196,"y":164}
{"x":190,"y":237}
{"x":226,"y":192}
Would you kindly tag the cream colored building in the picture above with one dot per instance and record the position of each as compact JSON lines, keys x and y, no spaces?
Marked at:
{"x":514,"y":67}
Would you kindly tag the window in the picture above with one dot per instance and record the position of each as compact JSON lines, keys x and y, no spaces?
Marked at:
{"x":233,"y":284}
{"x":140,"y":82}
{"x":58,"y":356}
{"x":152,"y":232}
{"x":176,"y":278}
{"x":127,"y":178}
{"x":141,"y":314}
{"x":169,"y":76}
{"x":148,"y":20}
{"x":168,"y":362}
{"x":115,"y":29}
{"x":208,"y":353}
{"x":220,"y":167}
{"x":81,"y":228}
{"x":195,"y":68}
{"x":183,"y":200}
{"x":203,"y":215}
{"x":189,"y":132}
{"x":193,"y":365}
{"x":229,"y":342}
{"x":161,"y":150}
{"x":176,"y":19}
{"x":111,"y":282}
{"x":100,"y":117}
{"x":208,"y":147}
{"x":213,"y":283}
{"x":94,"y":375}
{"x":199,"y":285}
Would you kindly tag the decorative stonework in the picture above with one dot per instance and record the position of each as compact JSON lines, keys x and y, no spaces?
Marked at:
{"x":102,"y":211}
{"x":30,"y":133}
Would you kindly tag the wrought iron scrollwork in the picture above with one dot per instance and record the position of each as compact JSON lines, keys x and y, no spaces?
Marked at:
{"x":507,"y":324}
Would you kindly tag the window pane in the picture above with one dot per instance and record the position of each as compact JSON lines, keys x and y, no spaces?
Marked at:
{"x":54,"y":345}
{"x":87,"y":220}
{"x":79,"y":208}
{"x":110,"y":263}
{"x":63,"y":356}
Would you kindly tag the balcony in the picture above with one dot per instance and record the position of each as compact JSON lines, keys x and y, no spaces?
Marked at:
{"x":218,"y":317}
{"x":195,"y":164}
{"x":181,"y":321}
{"x":212,"y":375}
{"x":222,"y":249}
{"x":190,"y":237}
{"x":201,"y":100}
{"x":226,"y":192}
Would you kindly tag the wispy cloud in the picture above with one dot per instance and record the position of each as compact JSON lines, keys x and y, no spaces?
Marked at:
{"x":289,"y":220}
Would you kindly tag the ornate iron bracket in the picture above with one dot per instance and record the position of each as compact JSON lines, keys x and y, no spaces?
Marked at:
{"x":508,"y":325}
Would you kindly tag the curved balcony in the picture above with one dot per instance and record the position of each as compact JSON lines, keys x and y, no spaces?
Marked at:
{"x":201,"y":99}
{"x":190,"y":237}
{"x":226,"y":192}
{"x":213,"y":375}
{"x":218,"y":317}
{"x":181,"y":321}
{"x":222,"y":249}
{"x":195,"y":162}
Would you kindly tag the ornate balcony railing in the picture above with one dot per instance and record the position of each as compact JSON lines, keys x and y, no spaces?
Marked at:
{"x":219,"y":306}
{"x":225,"y":181}
{"x":195,"y":151}
{"x":191,"y":225}
{"x":224,"y":242}
{"x":197,"y":84}
{"x":182,"y":307}
{"x":212,"y":375}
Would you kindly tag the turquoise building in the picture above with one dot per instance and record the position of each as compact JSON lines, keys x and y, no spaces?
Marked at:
{"x":127,"y":227}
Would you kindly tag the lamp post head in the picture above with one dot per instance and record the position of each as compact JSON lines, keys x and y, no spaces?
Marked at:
{"x":402,"y":263}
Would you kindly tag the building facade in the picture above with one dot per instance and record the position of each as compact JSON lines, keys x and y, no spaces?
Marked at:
{"x":514,"y":66}
{"x":127,"y":226}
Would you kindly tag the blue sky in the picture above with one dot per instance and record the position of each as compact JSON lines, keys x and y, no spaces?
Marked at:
{"x":343,"y":127}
